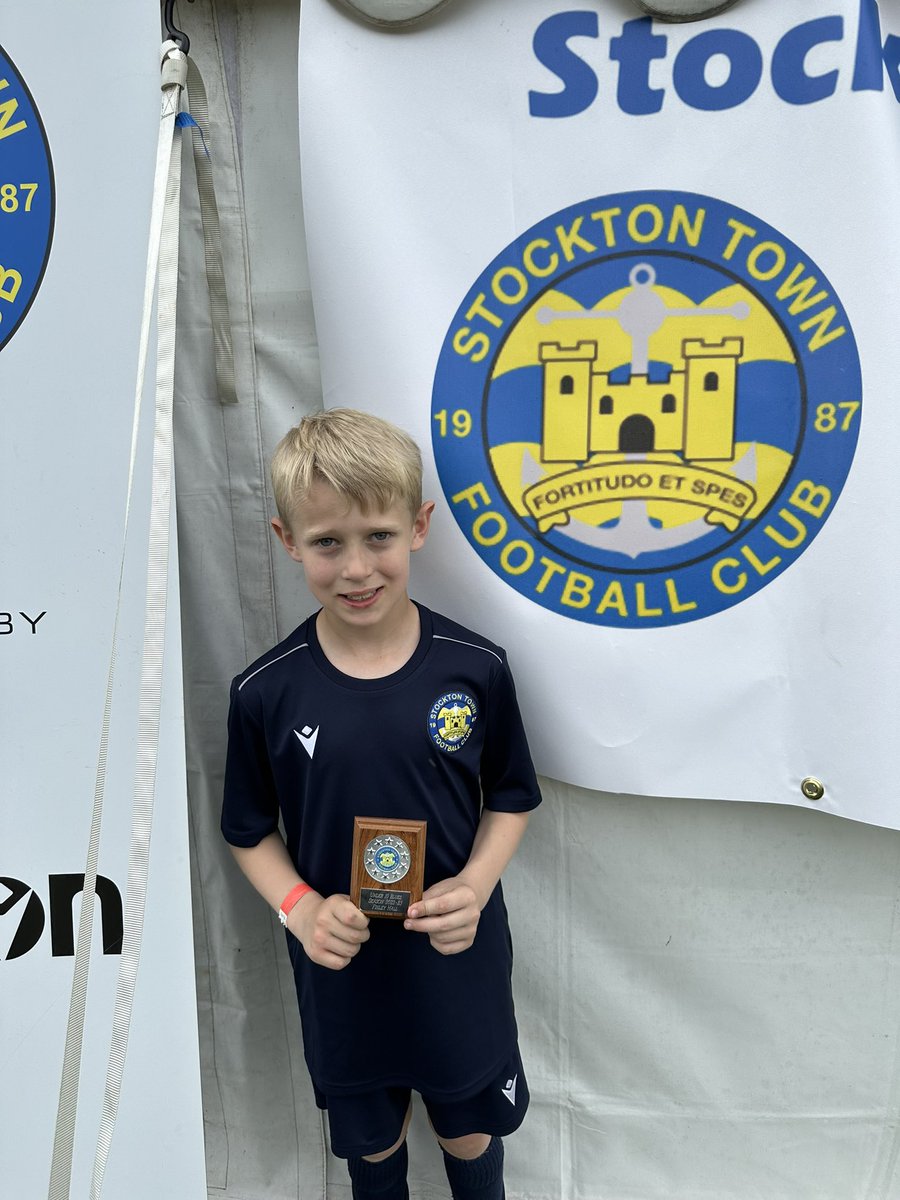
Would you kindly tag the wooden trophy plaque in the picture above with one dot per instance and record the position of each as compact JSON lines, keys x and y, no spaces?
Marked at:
{"x":388,"y":865}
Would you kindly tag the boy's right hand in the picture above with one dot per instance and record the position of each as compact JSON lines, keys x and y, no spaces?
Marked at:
{"x":330,"y":930}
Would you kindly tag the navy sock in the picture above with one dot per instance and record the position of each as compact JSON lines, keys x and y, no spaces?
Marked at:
{"x":385,"y":1180}
{"x":477,"y":1178}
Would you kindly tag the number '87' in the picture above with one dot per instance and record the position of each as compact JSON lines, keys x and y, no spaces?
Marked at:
{"x":10,"y":200}
{"x":459,"y":422}
{"x":830,"y":417}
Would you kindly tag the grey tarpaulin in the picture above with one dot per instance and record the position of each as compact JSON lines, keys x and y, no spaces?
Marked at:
{"x":708,"y":994}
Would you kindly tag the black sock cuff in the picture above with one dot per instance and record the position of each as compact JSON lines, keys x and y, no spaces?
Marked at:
{"x":476,"y":1172}
{"x":380,"y":1176}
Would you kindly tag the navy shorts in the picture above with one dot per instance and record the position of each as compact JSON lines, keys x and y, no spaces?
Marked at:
{"x":370,"y":1122}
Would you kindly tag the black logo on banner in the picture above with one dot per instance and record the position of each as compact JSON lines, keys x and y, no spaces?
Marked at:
{"x":19,"y":622}
{"x":23,"y":916}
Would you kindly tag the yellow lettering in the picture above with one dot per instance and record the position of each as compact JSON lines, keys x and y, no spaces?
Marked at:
{"x":477,"y":309}
{"x":571,"y":237}
{"x":656,"y":226}
{"x":756,"y":254}
{"x":577,"y":592}
{"x":10,"y":282}
{"x":730,"y":564}
{"x":810,"y":499}
{"x":823,"y":335}
{"x":8,"y":110}
{"x":790,"y":287}
{"x":613,"y":597}
{"x":606,"y":215}
{"x":642,"y":609}
{"x":518,"y":278}
{"x":524,"y":564}
{"x":740,"y":232}
{"x":484,"y":539}
{"x":680,"y":223}
{"x":761,"y":568}
{"x":550,"y":569}
{"x":799,"y":529}
{"x":674,"y":603}
{"x":464,"y":342}
{"x":476,"y":492}
{"x":528,"y":258}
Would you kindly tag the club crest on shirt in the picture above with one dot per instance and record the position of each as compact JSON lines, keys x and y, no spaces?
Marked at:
{"x":645,"y":408}
{"x":450,"y":720}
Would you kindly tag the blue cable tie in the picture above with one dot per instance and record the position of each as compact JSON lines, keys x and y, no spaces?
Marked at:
{"x":184,"y":120}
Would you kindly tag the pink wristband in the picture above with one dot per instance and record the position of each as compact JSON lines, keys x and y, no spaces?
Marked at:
{"x":295,"y":894}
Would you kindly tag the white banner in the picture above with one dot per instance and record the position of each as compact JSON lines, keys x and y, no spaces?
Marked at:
{"x":79,"y":116}
{"x":645,"y":275}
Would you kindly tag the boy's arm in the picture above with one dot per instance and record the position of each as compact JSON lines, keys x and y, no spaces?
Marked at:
{"x":331,"y":930}
{"x":449,"y":911}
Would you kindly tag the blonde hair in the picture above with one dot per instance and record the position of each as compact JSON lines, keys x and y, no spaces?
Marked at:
{"x":364,"y":458}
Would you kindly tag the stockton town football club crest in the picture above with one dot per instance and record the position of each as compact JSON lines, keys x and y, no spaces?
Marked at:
{"x":645,"y":408}
{"x":450,"y":720}
{"x":26,"y":199}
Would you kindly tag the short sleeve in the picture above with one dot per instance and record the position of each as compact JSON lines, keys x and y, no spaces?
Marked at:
{"x":250,"y":803}
{"x":508,"y":780}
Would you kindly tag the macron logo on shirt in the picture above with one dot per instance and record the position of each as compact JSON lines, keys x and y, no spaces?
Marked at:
{"x":307,"y":738}
{"x":510,"y":1090}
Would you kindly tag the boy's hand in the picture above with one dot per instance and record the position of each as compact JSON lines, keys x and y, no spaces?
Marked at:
{"x":448,"y":912}
{"x":331,"y":931}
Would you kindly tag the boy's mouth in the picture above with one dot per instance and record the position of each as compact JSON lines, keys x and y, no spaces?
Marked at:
{"x":361,"y":597}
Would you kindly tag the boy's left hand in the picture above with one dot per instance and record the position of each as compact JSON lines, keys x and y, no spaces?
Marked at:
{"x":448,"y":912}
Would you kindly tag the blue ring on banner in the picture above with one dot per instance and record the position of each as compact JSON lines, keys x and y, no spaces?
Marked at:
{"x":27,"y":216}
{"x":795,"y":410}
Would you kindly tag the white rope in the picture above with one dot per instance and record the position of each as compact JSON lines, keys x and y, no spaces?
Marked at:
{"x":154,"y":626}
{"x":174,"y":71}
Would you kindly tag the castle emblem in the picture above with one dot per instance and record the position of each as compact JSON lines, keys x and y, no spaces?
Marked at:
{"x":646,"y":408}
{"x":455,"y":722}
{"x":638,"y":408}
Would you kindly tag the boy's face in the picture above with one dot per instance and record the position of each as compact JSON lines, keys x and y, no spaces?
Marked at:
{"x":356,"y":564}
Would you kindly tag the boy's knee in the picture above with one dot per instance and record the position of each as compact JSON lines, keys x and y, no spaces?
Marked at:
{"x":383,"y":1154}
{"x":471,"y":1145}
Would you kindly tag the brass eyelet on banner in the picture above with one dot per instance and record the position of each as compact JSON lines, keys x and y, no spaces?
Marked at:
{"x":812,"y":788}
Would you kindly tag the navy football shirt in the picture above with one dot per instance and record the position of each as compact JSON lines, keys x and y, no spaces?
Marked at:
{"x":432,"y":741}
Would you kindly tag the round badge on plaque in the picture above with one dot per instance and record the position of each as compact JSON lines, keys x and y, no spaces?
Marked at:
{"x":386,"y":858}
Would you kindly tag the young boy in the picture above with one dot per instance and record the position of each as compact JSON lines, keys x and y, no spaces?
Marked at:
{"x":349,"y":717}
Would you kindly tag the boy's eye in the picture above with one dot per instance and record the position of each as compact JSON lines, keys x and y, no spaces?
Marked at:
{"x":326,"y":542}
{"x":382,"y":536}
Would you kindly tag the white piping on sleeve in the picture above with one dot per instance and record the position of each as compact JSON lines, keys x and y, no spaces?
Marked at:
{"x":269,"y":664}
{"x":440,"y":637}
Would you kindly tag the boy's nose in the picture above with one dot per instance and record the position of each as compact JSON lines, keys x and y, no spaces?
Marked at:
{"x":357,"y":563}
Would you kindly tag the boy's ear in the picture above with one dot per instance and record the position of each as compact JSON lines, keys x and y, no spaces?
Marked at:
{"x":421,"y":525}
{"x":287,"y":539}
